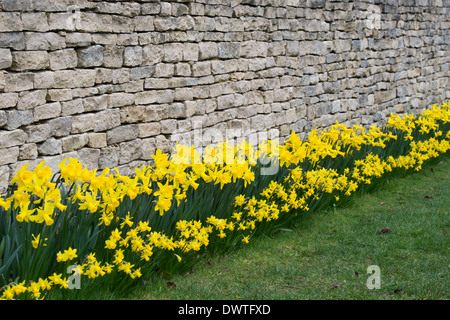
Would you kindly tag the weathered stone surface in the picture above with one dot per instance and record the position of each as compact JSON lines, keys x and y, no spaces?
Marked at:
{"x":12,"y":138}
{"x":122,"y":133}
{"x":74,"y":142}
{"x":47,"y":111}
{"x":30,"y":60}
{"x":97,"y":140}
{"x":40,"y":41}
{"x":63,"y":59}
{"x":132,"y":56}
{"x":30,"y":99}
{"x":50,"y":147}
{"x":9,"y":155}
{"x":18,"y":118}
{"x":91,"y":56}
{"x":5,"y":58}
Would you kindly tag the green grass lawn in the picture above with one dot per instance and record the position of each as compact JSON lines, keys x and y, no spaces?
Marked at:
{"x":326,"y":254}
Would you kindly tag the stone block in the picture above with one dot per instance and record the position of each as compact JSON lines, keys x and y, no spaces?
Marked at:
{"x":74,"y":142}
{"x":8,"y":100}
{"x":122,"y":133}
{"x":30,"y":60}
{"x":149,"y":129}
{"x":38,"y":132}
{"x":18,"y":118}
{"x":47,"y":111}
{"x":133,"y":56}
{"x":113,"y":56}
{"x":31,"y":99}
{"x":50,"y":147}
{"x":92,"y":56}
{"x":10,"y":22}
{"x":12,"y":138}
{"x":97,"y":140}
{"x":45,"y":41}
{"x":5,"y":58}
{"x":107,"y":119}
{"x":28,"y":152}
{"x":229,"y":50}
{"x":9,"y":155}
{"x":63,"y":59}
{"x":89,"y":157}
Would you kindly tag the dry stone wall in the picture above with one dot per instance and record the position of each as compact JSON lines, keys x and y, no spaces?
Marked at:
{"x":108,"y":82}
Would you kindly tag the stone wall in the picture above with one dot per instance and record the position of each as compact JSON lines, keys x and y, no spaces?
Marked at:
{"x":110,"y":81}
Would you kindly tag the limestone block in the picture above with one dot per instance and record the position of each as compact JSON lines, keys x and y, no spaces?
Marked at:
{"x":35,"y":21}
{"x":148,"y":148}
{"x":18,"y":118}
{"x":97,"y":140}
{"x":63,"y":59}
{"x":50,"y":147}
{"x":28,"y":152}
{"x":3,"y":118}
{"x":83,"y":123}
{"x":10,"y":22}
{"x":93,"y":22}
{"x":38,"y":132}
{"x":13,"y":40}
{"x":59,"y":95}
{"x":202,"y":68}
{"x":74,"y":78}
{"x":30,"y":99}
{"x":97,"y":103}
{"x":60,"y":126}
{"x":109,"y":157}
{"x":8,"y":100}
{"x":89,"y":157}
{"x":78,"y":39}
{"x":91,"y":56}
{"x":149,"y":129}
{"x":133,"y":56}
{"x":5,"y":58}
{"x":44,"y":80}
{"x":74,"y":142}
{"x":30,"y":60}
{"x":130,"y":150}
{"x":44,"y":41}
{"x":152,"y":54}
{"x":144,"y":23}
{"x":142,"y":72}
{"x":107,"y":119}
{"x":9,"y":155}
{"x":229,"y":50}
{"x":122,"y":133}
{"x":113,"y":56}
{"x":72,"y":107}
{"x":155,"y":96}
{"x":12,"y":138}
{"x":4,"y":179}
{"x":47,"y":111}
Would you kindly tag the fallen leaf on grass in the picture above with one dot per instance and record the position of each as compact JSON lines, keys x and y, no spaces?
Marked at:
{"x":171,"y":285}
{"x":335,"y":286}
{"x":381,"y":203}
{"x":428,"y":197}
{"x":444,"y":233}
{"x":384,"y":230}
{"x":356,"y":273}
{"x":398,"y":291}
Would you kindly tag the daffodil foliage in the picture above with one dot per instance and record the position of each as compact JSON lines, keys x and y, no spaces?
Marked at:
{"x":115,"y":230}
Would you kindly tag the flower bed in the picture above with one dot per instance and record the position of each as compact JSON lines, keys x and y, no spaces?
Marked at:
{"x":73,"y":234}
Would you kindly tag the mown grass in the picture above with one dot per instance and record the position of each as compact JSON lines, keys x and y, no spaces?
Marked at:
{"x":325,"y":255}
